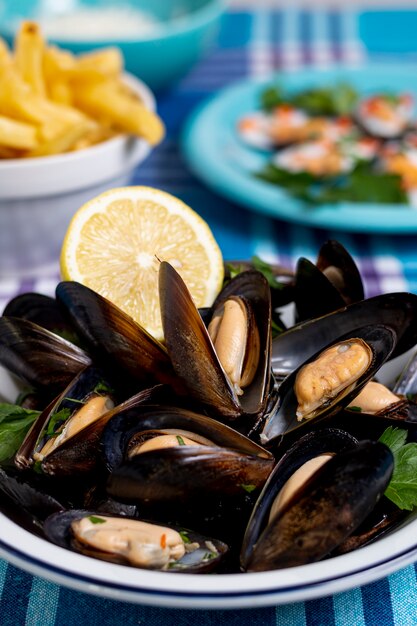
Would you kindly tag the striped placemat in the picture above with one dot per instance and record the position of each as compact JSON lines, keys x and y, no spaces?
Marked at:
{"x":251,"y":43}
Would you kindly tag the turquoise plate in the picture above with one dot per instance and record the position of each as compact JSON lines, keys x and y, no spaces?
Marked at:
{"x":215,"y":153}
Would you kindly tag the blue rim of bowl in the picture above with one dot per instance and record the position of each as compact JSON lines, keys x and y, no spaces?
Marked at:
{"x":171,"y":28}
{"x":399,"y":560}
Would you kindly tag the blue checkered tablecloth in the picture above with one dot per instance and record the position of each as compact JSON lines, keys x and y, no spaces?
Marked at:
{"x":251,"y":43}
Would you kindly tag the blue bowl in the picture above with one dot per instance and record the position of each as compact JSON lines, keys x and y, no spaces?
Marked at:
{"x":183,"y":31}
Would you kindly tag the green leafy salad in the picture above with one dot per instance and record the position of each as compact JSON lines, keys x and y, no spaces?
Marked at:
{"x":329,"y":145}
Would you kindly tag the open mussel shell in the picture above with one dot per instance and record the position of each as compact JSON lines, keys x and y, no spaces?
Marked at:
{"x":310,"y":446}
{"x":395,"y":310}
{"x":322,"y":512}
{"x":379,"y":341}
{"x":26,"y":504}
{"x":58,"y":422}
{"x":114,"y":336}
{"x":205,"y":555}
{"x":330,"y":284}
{"x":37,"y":356}
{"x":43,"y":311}
{"x":192,"y":352}
{"x":229,"y":463}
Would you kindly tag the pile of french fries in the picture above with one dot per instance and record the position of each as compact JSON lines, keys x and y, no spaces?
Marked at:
{"x":52,"y":101}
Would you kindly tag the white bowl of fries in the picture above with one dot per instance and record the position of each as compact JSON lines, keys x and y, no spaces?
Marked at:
{"x":70,"y":128}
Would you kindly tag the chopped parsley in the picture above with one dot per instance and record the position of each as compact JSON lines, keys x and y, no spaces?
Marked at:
{"x":180,"y":440}
{"x":184,"y":536}
{"x":15,"y":422}
{"x":402,"y":489}
{"x":357,"y":409}
{"x":96,"y":520}
{"x":248,"y":488}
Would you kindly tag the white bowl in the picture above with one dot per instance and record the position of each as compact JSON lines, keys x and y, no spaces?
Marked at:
{"x":38,"y":196}
{"x":90,"y":575}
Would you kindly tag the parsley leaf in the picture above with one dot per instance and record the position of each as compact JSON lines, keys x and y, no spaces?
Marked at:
{"x":248,"y":488}
{"x":363,"y":184}
{"x":402,"y":489}
{"x":96,"y":520}
{"x":268,"y":271}
{"x":337,"y":100}
{"x":15,"y":421}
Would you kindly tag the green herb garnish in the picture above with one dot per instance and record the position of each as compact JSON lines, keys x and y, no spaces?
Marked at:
{"x":363,"y":184}
{"x":180,"y":440}
{"x":103,"y":387}
{"x":15,"y":422}
{"x":357,"y":409}
{"x":337,"y":100}
{"x":248,"y":488}
{"x":184,"y":536}
{"x":56,"y":421}
{"x":96,"y":520}
{"x":402,"y":489}
{"x":268,"y":271}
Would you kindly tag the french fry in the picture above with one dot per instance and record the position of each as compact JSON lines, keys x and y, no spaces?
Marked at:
{"x":52,"y":101}
{"x":57,"y":65}
{"x":11,"y":153}
{"x":110,"y":102}
{"x":5,"y":56}
{"x":29,"y":46}
{"x":17,"y":134}
{"x":62,"y":142}
{"x":97,"y":65}
{"x":18,"y":101}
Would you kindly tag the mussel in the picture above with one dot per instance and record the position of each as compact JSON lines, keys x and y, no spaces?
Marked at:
{"x":134,"y":542}
{"x":163,"y":454}
{"x":329,"y":380}
{"x":330,"y":284}
{"x":39,"y":357}
{"x":319,"y":493}
{"x":228,"y":370}
{"x":296,"y":345}
{"x":64,"y":425}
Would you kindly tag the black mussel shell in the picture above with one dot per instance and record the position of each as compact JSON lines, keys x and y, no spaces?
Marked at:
{"x":24,"y":502}
{"x":184,"y":472}
{"x":115,"y":337}
{"x":330,"y":284}
{"x":396,"y":310}
{"x":314,"y":294}
{"x":78,"y":453}
{"x":43,"y":311}
{"x":39,"y":357}
{"x":326,"y":510}
{"x":191,"y":350}
{"x":283,"y":419}
{"x":57,"y":529}
{"x":384,"y":518}
{"x":125,"y":424}
{"x":325,"y":440}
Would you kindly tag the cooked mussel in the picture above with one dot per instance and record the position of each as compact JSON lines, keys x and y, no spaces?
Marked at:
{"x":43,"y":311}
{"x":330,"y":284}
{"x":78,"y":408}
{"x":327,"y":382}
{"x":38,"y":357}
{"x":134,"y":542}
{"x":296,"y":345}
{"x":228,"y":367}
{"x":203,"y":457}
{"x":114,"y":337}
{"x":299,"y":523}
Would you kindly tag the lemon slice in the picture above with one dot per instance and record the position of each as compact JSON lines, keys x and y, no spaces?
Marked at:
{"x":115,"y":242}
